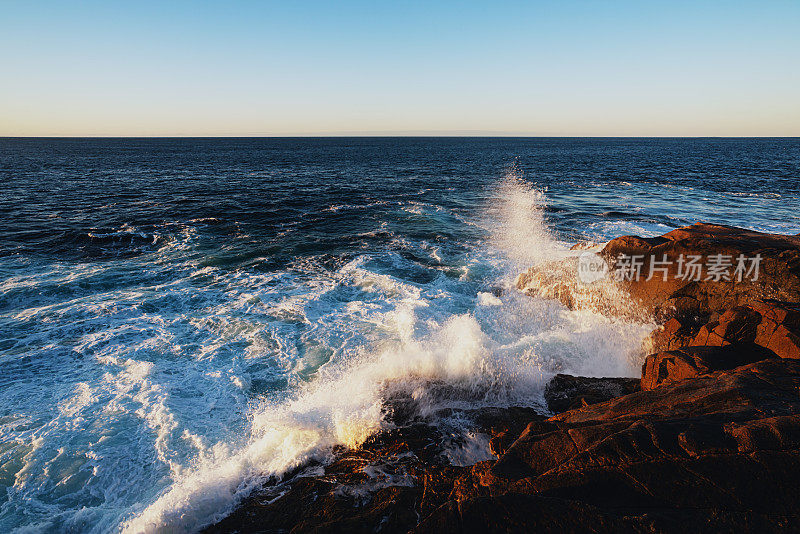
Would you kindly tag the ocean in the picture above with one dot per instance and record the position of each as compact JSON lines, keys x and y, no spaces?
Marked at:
{"x":182,"y":318}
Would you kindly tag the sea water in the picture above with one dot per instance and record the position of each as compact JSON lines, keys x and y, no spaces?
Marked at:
{"x":182,"y":318}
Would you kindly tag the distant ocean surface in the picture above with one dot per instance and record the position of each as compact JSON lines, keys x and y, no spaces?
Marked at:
{"x":180,"y":318}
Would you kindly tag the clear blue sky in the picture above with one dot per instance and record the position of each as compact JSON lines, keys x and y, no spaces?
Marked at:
{"x":306,"y":67}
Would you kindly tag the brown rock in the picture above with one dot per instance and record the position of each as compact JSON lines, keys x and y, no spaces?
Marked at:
{"x":784,"y":342}
{"x":688,"y":362}
{"x":772,"y":324}
{"x":565,"y":392}
{"x":706,"y":449}
{"x":670,"y":296}
{"x":720,"y":451}
{"x":671,"y":335}
{"x":779,"y":329}
{"x":665,"y":295}
{"x":737,"y":325}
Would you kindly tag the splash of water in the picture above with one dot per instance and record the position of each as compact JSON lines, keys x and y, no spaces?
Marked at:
{"x":518,"y":226}
{"x":507,"y":347}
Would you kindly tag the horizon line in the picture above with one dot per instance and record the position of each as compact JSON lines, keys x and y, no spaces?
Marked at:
{"x":397,"y":134}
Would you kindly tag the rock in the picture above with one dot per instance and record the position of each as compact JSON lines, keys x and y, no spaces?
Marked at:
{"x":768,"y":323}
{"x":715,"y":452}
{"x":783,"y":342}
{"x":395,"y":478}
{"x":673,"y":334}
{"x":388,"y":481}
{"x":737,"y":325}
{"x":515,"y":512}
{"x":709,"y":451}
{"x":503,"y":425}
{"x":565,"y":392}
{"x":688,"y":362}
{"x":779,"y":329}
{"x":667,"y":295}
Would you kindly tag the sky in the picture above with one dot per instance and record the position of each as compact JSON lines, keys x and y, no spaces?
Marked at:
{"x":556,"y":68}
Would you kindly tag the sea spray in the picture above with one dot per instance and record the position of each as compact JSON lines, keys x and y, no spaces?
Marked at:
{"x":517,"y":224}
{"x":505,"y":348}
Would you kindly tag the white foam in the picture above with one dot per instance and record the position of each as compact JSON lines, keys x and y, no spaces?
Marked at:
{"x":488,"y":299}
{"x":508,"y":351}
{"x":473,"y":448}
{"x":163,"y":420}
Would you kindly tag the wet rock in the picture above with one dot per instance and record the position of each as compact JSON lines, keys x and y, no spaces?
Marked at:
{"x":394,"y":479}
{"x":768,"y":323}
{"x":708,"y":450}
{"x":558,"y":280}
{"x":565,"y":392}
{"x":667,"y":294}
{"x":671,"y":291}
{"x":719,"y":451}
{"x":386,"y":483}
{"x":688,"y":362}
{"x":708,"y":441}
{"x":503,"y":425}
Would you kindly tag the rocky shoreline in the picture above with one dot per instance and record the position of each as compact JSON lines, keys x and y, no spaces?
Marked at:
{"x":708,"y":439}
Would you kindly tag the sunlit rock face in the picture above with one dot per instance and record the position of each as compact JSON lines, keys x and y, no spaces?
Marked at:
{"x":663,"y":285}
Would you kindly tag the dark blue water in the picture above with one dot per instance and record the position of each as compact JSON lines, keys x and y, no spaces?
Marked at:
{"x":179,"y":317}
{"x":276,"y":191}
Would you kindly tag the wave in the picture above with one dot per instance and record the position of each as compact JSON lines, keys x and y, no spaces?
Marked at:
{"x":500,"y":345}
